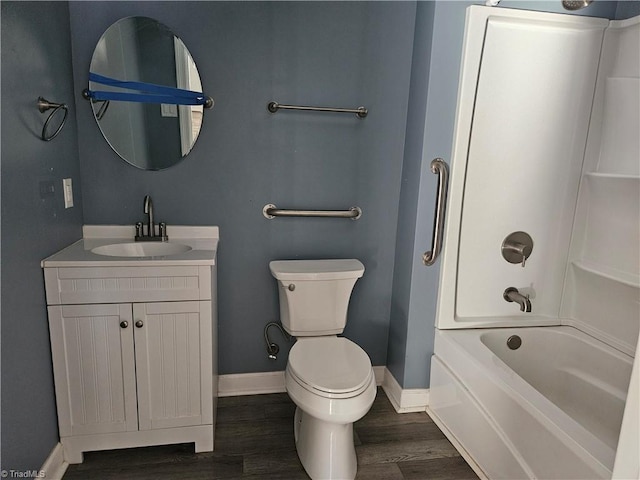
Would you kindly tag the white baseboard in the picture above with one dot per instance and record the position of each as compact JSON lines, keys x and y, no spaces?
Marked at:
{"x":250,"y":383}
{"x":404,"y":400}
{"x":54,"y":466}
{"x":380,"y":373}
{"x":265,"y":382}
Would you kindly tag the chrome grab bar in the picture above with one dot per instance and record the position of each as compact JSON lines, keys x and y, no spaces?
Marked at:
{"x":273,"y":107}
{"x":439,"y":167}
{"x":270,"y":211}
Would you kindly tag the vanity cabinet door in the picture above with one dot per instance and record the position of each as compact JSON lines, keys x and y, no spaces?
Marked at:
{"x":173,"y":349}
{"x":93,"y":364}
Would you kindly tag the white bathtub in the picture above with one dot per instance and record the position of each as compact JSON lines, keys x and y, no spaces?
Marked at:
{"x":551,"y":409}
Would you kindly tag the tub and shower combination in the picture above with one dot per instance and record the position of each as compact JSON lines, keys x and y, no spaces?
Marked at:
{"x":544,"y":145}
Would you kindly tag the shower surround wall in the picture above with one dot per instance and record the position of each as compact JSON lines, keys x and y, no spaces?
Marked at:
{"x":603,"y":275}
{"x":342,"y":54}
{"x":517,"y":165}
{"x":521,"y":138}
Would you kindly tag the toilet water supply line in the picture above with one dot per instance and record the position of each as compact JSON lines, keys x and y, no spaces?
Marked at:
{"x":273,"y":348}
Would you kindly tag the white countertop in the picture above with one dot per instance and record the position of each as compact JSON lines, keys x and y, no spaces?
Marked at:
{"x":202,"y":240}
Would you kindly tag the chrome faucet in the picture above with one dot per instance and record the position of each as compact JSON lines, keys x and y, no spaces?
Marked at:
{"x":151,"y":227}
{"x":512,"y":294}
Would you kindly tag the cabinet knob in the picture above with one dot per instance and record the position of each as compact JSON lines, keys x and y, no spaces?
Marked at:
{"x":139,"y":324}
{"x":124,"y":324}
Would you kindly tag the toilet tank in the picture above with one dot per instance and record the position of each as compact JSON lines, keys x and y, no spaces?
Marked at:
{"x":314,"y":294}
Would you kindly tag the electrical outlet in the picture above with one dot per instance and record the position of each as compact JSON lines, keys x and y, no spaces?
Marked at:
{"x":67,"y":188}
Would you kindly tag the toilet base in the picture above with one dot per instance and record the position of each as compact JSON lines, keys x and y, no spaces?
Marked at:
{"x":325,"y":449}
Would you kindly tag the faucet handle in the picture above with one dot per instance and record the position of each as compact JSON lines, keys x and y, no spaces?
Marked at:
{"x":139,"y":232}
{"x":162,"y":227}
{"x":524,"y":257}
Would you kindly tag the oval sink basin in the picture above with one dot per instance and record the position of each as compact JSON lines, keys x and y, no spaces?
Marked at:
{"x":141,"y":249}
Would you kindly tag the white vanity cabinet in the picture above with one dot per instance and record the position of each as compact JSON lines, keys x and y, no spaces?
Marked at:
{"x":134,"y":353}
{"x":130,"y":367}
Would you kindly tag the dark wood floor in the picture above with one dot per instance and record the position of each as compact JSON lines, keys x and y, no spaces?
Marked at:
{"x":254,"y":440}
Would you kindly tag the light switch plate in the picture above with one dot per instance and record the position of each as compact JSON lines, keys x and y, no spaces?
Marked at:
{"x":168,"y":110}
{"x":67,"y":188}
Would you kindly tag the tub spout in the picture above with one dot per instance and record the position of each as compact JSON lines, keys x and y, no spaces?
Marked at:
{"x":512,"y":294}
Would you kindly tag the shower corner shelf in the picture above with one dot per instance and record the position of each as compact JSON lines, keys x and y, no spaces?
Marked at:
{"x":624,"y":278}
{"x":612,"y":176}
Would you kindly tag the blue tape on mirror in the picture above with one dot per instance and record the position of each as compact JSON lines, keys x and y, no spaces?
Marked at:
{"x":147,"y":92}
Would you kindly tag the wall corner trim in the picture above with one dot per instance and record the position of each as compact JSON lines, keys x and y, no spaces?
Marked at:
{"x":404,"y":400}
{"x":55,"y":465}
{"x":258,"y":383}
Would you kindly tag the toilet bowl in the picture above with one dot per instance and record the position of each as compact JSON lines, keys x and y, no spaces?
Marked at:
{"x":329,"y":378}
{"x":331,"y":381}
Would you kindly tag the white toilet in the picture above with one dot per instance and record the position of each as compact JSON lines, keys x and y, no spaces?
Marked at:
{"x":329,"y":378}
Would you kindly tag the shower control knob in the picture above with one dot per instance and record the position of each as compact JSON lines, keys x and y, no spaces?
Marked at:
{"x":517,"y":247}
{"x":291,"y":287}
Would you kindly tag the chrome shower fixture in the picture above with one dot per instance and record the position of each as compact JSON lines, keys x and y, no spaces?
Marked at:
{"x":575,"y":4}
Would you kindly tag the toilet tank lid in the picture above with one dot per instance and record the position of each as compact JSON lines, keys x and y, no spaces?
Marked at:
{"x":316,"y":269}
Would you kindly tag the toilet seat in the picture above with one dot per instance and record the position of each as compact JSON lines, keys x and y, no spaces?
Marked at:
{"x":331,"y":367}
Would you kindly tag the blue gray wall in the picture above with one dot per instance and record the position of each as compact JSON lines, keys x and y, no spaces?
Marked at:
{"x":36,"y":60}
{"x":415,"y":287}
{"x":627,"y":9}
{"x":342,"y":54}
{"x":249,"y":53}
{"x":405,"y":260}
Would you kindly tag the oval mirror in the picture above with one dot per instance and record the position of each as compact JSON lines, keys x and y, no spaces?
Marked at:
{"x":137,"y":58}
